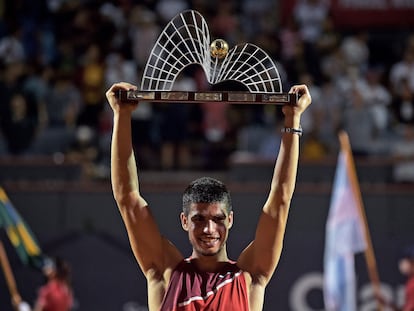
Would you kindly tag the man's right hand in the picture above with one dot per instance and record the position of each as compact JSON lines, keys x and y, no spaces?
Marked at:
{"x":115,"y":102}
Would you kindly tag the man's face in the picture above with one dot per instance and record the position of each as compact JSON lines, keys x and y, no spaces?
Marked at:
{"x":207,"y":225}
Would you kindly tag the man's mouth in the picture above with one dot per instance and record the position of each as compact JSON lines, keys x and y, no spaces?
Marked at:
{"x":209,"y":241}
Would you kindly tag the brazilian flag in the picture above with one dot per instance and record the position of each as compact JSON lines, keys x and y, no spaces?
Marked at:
{"x":20,"y":235}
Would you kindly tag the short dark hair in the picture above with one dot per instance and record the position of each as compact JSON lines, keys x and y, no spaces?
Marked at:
{"x":63,"y":271}
{"x":206,"y":190}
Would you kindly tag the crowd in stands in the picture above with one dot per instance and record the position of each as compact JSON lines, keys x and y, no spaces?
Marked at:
{"x":58,"y":57}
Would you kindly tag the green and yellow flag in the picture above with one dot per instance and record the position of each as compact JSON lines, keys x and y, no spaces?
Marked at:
{"x":20,"y":235}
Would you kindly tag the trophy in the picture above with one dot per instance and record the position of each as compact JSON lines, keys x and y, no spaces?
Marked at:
{"x":186,"y":41}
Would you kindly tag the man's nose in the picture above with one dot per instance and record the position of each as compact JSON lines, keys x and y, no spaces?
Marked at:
{"x":209,"y":226}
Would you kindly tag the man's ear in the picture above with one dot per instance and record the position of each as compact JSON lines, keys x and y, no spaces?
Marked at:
{"x":184,"y":221}
{"x":230,"y":219}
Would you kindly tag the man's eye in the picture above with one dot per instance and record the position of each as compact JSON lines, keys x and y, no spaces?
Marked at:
{"x":219,"y":219}
{"x":197,"y":218}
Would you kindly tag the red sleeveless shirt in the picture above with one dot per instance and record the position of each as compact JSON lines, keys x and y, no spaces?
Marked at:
{"x":193,"y":290}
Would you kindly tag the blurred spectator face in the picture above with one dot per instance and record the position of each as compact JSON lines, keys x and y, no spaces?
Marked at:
{"x":409,"y":56}
{"x":18,"y":107}
{"x":14,"y":71}
{"x":406,"y":266}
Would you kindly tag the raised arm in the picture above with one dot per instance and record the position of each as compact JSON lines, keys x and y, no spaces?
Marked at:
{"x":153,"y":253}
{"x":260,"y":258}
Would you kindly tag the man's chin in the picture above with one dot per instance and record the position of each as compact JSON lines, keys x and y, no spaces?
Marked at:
{"x":212,"y":251}
{"x":208,"y":252}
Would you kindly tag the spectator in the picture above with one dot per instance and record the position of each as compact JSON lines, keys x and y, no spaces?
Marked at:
{"x":330,"y":116}
{"x":56,"y":294}
{"x":329,"y":38}
{"x":356,"y":51}
{"x":291,"y":49}
{"x":18,"y":111}
{"x":402,"y":152}
{"x":63,"y":103}
{"x":257,"y":16}
{"x":19,"y":127}
{"x":11,"y":47}
{"x":143,"y":33}
{"x":359,"y":123}
{"x":378,"y":98}
{"x":310,"y":16}
{"x":167,"y":9}
{"x":333,"y":65}
{"x":119,"y":68}
{"x":91,"y":84}
{"x":403,"y":104}
{"x":403,"y":70}
{"x":406,"y":267}
{"x":225,"y":22}
{"x":38,"y":83}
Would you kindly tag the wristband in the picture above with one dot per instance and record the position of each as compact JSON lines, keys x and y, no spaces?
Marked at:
{"x":291,"y":130}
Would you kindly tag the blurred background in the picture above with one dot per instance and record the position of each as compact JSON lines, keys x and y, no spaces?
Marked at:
{"x":58,"y":57}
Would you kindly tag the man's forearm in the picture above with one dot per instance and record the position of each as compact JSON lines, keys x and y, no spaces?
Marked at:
{"x":123,"y":166}
{"x":284,"y":175}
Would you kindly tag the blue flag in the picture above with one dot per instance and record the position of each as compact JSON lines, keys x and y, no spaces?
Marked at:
{"x":344,"y":238}
{"x":19,"y":234}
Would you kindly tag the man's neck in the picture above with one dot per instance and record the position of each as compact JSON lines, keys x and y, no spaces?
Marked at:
{"x":210,"y":263}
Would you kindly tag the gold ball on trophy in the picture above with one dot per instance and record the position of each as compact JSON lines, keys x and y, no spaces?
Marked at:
{"x":219,"y":48}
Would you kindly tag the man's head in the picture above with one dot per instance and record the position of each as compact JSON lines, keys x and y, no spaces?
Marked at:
{"x":207,"y":216}
{"x":206,"y":190}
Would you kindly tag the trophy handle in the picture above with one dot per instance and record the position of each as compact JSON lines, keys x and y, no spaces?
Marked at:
{"x":208,"y":97}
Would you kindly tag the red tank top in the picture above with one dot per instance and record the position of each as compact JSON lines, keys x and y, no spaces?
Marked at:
{"x":193,"y":290}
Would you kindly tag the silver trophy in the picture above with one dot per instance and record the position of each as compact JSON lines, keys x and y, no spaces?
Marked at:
{"x":186,"y":41}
